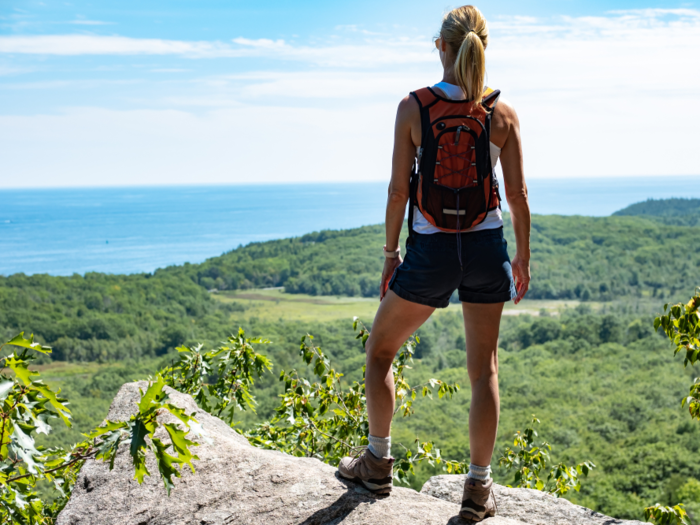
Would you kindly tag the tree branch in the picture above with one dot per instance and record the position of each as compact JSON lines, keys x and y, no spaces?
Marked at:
{"x":351,"y":447}
{"x":65,"y":465}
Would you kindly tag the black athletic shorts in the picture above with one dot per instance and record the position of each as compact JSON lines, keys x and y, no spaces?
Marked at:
{"x":431,"y":270}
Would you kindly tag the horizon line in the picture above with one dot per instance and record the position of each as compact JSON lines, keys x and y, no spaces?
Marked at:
{"x":301,"y":183}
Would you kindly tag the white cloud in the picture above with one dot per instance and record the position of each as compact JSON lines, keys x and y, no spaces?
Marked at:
{"x":6,"y":71}
{"x":352,"y":28}
{"x":636,"y":52}
{"x":83,"y":84}
{"x":367,"y":53}
{"x":170,"y":70}
{"x":322,"y":84}
{"x":105,"y":45}
{"x":84,"y":22}
{"x":248,"y":144}
{"x":615,"y":95}
{"x":597,"y":96}
{"x":618,"y":24}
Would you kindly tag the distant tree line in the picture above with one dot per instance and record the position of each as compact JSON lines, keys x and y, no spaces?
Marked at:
{"x":584,"y":258}
{"x":682,"y":212}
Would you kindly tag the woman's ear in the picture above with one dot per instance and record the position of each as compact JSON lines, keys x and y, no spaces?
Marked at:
{"x":442,"y":48}
{"x":440,"y":44}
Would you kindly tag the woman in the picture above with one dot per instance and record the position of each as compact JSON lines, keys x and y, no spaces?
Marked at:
{"x":468,"y":254}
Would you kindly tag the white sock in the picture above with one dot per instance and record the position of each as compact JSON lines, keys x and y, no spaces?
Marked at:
{"x":380,"y":447}
{"x":480,"y":473}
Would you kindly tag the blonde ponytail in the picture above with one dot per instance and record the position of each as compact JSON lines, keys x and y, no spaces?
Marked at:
{"x":465,"y":31}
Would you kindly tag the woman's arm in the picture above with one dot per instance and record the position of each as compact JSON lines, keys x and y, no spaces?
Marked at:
{"x":407,"y":124}
{"x":516,"y":193}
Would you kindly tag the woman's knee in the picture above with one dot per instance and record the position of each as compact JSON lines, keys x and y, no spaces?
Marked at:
{"x":378,"y":350}
{"x":484,"y":371}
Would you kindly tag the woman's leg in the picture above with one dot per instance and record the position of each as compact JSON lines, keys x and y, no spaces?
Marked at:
{"x":481,"y":324}
{"x":395,"y":321}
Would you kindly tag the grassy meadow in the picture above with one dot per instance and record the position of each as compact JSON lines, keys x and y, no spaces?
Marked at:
{"x":274,"y":303}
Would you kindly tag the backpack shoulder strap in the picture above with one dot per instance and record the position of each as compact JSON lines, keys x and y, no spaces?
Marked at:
{"x":491,"y":97}
{"x":489,"y":100}
{"x":425,"y":97}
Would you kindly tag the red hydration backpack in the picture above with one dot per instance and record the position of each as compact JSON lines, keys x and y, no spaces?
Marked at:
{"x":453,"y":183}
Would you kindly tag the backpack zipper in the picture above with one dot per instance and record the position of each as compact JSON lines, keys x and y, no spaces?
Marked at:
{"x":448,"y":117}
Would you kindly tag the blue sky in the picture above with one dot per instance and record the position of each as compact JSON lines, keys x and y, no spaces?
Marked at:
{"x":113,"y":93}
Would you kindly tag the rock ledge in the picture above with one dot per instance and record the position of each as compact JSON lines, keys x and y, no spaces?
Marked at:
{"x":236,"y":483}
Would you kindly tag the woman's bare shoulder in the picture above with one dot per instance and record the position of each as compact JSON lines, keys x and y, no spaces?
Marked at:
{"x":408,"y":107}
{"x":408,"y":119}
{"x":505,"y":111}
{"x":505,"y":119}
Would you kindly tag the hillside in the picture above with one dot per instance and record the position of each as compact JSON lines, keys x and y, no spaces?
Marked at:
{"x":606,"y":387}
{"x":105,"y":317}
{"x":684,"y":212}
{"x":589,"y":258}
{"x":663,"y":208}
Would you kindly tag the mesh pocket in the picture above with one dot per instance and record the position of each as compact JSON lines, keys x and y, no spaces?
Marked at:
{"x":455,"y":165}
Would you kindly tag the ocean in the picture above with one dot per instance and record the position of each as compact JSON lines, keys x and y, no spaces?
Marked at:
{"x":139,"y":229}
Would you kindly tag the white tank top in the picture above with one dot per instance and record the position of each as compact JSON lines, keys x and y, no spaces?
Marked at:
{"x":494,"y":218}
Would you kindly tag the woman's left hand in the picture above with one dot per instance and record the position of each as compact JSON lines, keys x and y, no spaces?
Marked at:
{"x":390,"y":266}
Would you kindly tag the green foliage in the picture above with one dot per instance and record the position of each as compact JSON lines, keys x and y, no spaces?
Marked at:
{"x":627,"y":436}
{"x":681,"y":324}
{"x":112,"y":318}
{"x":677,"y":207}
{"x":232,"y":368}
{"x":597,"y":400}
{"x":100,"y":317}
{"x":530,"y":463}
{"x":669,"y":211}
{"x":105,"y":318}
{"x":689,"y":491}
{"x":319,"y":263}
{"x":689,"y":494}
{"x":28,"y":405}
{"x":328,"y":420}
{"x":585,"y":258}
{"x":140,"y":430}
{"x":661,"y":515}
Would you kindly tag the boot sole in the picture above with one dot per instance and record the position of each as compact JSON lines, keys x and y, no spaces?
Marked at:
{"x":473,"y":518}
{"x":374,"y":489}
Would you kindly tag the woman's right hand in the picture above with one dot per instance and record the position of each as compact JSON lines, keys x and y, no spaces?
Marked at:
{"x":390,"y":266}
{"x":521,"y":274}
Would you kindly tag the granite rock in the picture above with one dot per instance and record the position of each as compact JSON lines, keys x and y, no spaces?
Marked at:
{"x":523,"y":505}
{"x":236,"y":483}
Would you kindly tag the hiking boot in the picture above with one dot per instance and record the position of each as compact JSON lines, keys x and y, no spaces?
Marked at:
{"x":478,"y":501}
{"x":373,"y":473}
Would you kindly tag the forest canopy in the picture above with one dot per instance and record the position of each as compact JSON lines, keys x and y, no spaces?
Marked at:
{"x":106,"y":317}
{"x":573,"y":257}
{"x":668,"y":211}
{"x":604,"y":383}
